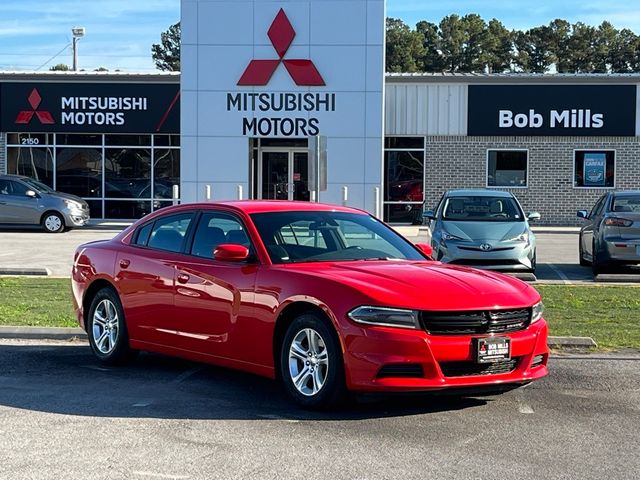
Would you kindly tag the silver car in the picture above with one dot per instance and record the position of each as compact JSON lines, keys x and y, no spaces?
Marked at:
{"x":611,"y":235}
{"x":24,"y":201}
{"x":483,"y":229}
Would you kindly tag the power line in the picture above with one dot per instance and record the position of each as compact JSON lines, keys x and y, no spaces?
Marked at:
{"x":59,"y":53}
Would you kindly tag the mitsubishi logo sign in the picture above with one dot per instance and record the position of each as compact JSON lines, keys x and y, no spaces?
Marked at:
{"x":25,"y":116}
{"x":303,"y":71}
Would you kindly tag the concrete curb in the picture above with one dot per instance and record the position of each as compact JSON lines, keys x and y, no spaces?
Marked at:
{"x":42,"y":333}
{"x":32,"y":272}
{"x":57,"y":333}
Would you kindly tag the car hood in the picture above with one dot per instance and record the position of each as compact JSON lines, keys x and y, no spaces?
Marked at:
{"x":482,"y":231}
{"x":66,"y":196}
{"x":425,"y":285}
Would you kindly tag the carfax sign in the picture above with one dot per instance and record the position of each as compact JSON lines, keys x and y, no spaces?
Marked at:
{"x":552,"y":110}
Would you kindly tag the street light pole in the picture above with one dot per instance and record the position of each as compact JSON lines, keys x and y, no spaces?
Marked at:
{"x":78,"y":33}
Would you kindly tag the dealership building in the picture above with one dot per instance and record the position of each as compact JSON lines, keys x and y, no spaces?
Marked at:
{"x":286,"y":100}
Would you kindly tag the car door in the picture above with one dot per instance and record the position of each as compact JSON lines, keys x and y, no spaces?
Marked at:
{"x":16,"y":206}
{"x":215,"y":299}
{"x":589,"y":229}
{"x":146,"y":273}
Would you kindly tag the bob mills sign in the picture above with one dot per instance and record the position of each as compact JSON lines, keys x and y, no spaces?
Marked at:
{"x":552,"y":110}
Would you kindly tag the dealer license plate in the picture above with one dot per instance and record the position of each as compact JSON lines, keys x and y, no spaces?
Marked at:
{"x":493,"y":349}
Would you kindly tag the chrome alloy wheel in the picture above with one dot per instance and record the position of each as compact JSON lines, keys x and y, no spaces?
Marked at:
{"x":53,"y":223}
{"x":308,"y":362}
{"x":105,"y":326}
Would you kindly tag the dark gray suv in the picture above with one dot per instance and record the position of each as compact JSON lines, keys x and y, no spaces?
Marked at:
{"x":25,"y":201}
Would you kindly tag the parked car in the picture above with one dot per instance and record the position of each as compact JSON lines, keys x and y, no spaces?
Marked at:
{"x":610,"y":236}
{"x":325,"y":298}
{"x":484,"y":229}
{"x":25,"y":201}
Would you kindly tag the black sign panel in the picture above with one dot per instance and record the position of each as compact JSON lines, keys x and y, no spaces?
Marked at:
{"x":90,"y":107}
{"x":552,"y":110}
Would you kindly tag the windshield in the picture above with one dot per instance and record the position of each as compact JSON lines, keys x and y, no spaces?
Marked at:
{"x":628,"y":203}
{"x":297,"y":237}
{"x":37,"y":186}
{"x":482,"y":209}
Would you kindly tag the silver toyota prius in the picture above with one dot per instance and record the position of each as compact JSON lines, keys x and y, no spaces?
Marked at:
{"x":483,"y":229}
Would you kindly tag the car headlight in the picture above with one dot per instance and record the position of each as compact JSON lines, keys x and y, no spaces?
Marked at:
{"x":536,"y":313}
{"x":523,"y":237}
{"x":386,"y":317}
{"x":446,"y":236}
{"x":73,"y":205}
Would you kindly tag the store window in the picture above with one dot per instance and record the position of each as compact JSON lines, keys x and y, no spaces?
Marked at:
{"x":594,"y":168}
{"x":507,"y":168}
{"x":404,"y":179}
{"x":120,"y":176}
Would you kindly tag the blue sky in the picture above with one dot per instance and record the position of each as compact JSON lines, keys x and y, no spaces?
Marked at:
{"x":120,"y":32}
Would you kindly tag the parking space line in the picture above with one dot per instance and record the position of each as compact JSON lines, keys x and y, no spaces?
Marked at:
{"x":560,"y":273}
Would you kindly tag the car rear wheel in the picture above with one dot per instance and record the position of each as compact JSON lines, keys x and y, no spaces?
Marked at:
{"x":597,"y":266}
{"x":53,"y":222}
{"x":311,"y":365}
{"x":107,"y":329}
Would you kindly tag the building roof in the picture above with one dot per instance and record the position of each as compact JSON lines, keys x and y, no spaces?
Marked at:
{"x":106,"y":77}
{"x":570,"y":78}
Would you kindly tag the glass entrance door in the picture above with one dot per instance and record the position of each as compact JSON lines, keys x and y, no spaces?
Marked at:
{"x":284,"y":175}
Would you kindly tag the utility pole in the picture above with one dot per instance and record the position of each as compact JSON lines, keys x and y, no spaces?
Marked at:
{"x":78,"y":33}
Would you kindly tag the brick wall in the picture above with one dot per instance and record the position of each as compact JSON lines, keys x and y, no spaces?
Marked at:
{"x":461,"y":162}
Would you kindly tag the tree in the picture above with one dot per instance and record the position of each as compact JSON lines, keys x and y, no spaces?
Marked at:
{"x":166,"y":54}
{"x":497,"y":50}
{"x":452,"y":38}
{"x":101,"y":69}
{"x":560,"y":31}
{"x":61,"y":67}
{"x":432,"y":60}
{"x":405,"y":47}
{"x":534,"y":50}
{"x":582,"y":48}
{"x":475,"y":33}
{"x":623,"y":53}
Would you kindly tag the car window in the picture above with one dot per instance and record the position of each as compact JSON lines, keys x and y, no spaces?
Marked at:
{"x":168,"y":233}
{"x":627,"y":203}
{"x":482,"y":209}
{"x":597,"y":208}
{"x":326,"y":236}
{"x":216,"y":228}
{"x":11,"y":187}
{"x":5,"y":187}
{"x":143,"y":234}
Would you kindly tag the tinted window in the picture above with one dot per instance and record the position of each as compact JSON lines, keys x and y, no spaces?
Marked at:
{"x":481,"y":208}
{"x":507,"y":168}
{"x":144,"y":233}
{"x":169,"y":232}
{"x":597,"y":208}
{"x":215,"y":229}
{"x":627,"y":204}
{"x":18,"y":189}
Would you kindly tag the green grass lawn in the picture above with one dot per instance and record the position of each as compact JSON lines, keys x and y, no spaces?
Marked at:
{"x":609,"y":314}
{"x":42,"y":302}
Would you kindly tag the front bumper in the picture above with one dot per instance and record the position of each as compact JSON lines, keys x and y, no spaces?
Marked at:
{"x":369,"y":352}
{"x":75,"y":217}
{"x":505,"y":257}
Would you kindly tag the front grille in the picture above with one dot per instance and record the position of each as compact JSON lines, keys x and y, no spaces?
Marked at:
{"x":468,"y":369}
{"x":401,"y":370}
{"x":478,"y":249}
{"x":476,"y":322}
{"x":484,"y":262}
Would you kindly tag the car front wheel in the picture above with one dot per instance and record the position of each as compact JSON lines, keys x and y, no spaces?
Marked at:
{"x":53,"y":222}
{"x":311,"y":364}
{"x":107,"y":329}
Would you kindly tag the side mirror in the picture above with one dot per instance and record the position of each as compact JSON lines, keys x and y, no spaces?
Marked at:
{"x":533,"y":216}
{"x":426,"y":249}
{"x":430,"y":214}
{"x":583,"y":214}
{"x":31,"y":194}
{"x":229,"y":252}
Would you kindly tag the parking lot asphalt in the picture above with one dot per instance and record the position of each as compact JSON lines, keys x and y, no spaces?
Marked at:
{"x":64,"y":416}
{"x":557,"y":253}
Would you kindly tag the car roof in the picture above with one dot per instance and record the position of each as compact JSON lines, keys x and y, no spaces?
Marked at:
{"x":9,"y":176}
{"x":628,"y":193}
{"x":263,"y":206}
{"x":479,"y":193}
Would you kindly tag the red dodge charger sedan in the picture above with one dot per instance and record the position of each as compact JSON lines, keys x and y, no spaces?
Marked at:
{"x":325,"y":298}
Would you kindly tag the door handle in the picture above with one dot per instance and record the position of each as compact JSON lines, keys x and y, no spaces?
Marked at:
{"x":183,"y":278}
{"x":124,"y":263}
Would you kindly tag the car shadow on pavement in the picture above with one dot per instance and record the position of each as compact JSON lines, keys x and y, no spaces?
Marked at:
{"x":66,"y":379}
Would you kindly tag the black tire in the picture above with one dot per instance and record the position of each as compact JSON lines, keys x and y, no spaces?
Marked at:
{"x":332,"y":391}
{"x":52,"y":222}
{"x":534,"y":263}
{"x":118,"y":351}
{"x":597,"y":267}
